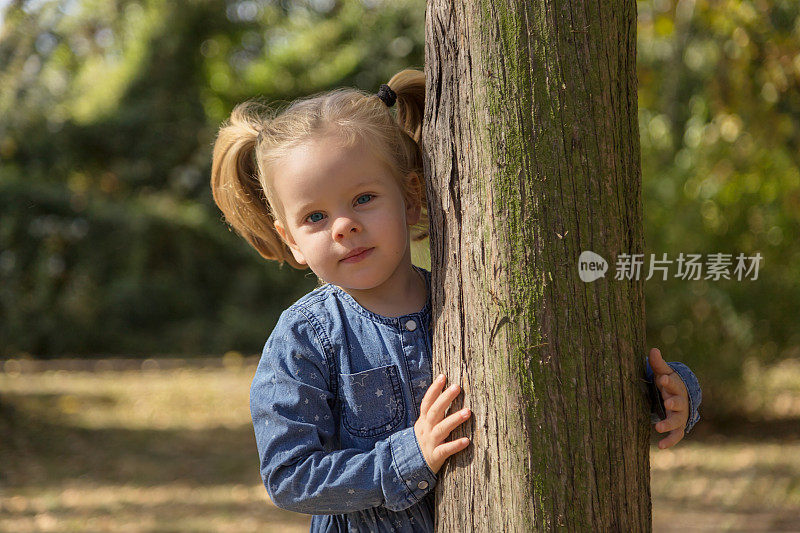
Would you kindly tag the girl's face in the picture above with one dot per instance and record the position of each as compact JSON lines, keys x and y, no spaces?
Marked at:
{"x":345,"y":215}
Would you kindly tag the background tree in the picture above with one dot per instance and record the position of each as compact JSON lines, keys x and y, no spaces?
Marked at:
{"x":109,"y":111}
{"x":532,"y":149}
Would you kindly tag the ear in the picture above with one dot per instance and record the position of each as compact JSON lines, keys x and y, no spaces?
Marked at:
{"x":287,"y":238}
{"x":413,"y":207}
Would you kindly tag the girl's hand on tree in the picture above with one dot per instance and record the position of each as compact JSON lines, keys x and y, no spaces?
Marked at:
{"x":431,"y":428}
{"x":676,"y":400}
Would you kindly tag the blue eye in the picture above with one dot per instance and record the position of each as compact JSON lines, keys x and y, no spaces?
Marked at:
{"x":360,"y":198}
{"x":315,"y":217}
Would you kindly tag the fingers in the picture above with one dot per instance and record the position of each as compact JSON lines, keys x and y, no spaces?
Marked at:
{"x":671,"y":384}
{"x":657,"y":363}
{"x":430,"y":429}
{"x":676,"y":403}
{"x":672,"y":439}
{"x":446,"y":449}
{"x":675,"y":420}
{"x":442,"y":403}
{"x":442,"y":430}
{"x":433,"y":392}
{"x":675,"y":423}
{"x":666,"y":379}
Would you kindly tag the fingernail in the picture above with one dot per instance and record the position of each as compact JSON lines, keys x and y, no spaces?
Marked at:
{"x":440,"y":378}
{"x":454,"y":387}
{"x":465,"y":412}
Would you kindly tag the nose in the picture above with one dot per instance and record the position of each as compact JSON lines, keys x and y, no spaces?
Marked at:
{"x":345,"y":225}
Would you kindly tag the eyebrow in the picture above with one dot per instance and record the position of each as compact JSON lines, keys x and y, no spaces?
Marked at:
{"x":305,"y":208}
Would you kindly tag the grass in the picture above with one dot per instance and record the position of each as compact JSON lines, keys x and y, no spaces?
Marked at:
{"x":164,"y":446}
{"x":134,"y":450}
{"x":741,"y":473}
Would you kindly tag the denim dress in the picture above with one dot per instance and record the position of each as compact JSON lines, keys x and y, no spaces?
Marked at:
{"x":334,"y":401}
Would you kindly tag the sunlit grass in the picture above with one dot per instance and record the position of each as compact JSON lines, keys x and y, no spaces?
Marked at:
{"x":171,"y":449}
{"x":741,"y":474}
{"x":87,"y":506}
{"x":176,"y":399}
{"x":136,"y":450}
{"x":719,"y":486}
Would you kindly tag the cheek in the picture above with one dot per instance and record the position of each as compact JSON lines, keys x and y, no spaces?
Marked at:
{"x":307,"y":243}
{"x":323,"y":249}
{"x":400,"y":213}
{"x":314,"y":244}
{"x":390,"y":223}
{"x":397,"y":227}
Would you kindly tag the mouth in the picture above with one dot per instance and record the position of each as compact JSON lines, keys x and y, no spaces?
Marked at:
{"x":357,"y":255}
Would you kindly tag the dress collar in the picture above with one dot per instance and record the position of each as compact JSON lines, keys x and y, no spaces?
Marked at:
{"x":392,"y":320}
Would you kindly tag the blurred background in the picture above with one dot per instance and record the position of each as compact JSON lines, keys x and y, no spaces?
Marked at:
{"x":131,"y":317}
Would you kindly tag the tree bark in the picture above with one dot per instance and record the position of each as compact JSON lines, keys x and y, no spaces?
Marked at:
{"x":531,"y":147}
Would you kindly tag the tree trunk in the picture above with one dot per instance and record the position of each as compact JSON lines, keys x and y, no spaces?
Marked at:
{"x":531,"y":146}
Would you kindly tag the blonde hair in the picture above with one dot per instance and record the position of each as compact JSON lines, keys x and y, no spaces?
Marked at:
{"x":256,"y":137}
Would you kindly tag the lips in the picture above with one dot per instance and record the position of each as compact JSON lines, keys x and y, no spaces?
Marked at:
{"x":357,"y":254}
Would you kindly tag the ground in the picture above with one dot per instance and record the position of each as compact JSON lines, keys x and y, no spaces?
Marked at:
{"x":167,"y":445}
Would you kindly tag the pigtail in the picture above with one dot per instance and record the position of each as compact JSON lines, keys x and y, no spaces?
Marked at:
{"x":235,"y":183}
{"x":409,"y":86}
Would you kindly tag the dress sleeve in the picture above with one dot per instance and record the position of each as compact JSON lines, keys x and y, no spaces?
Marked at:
{"x":291,"y":402}
{"x":692,"y":387}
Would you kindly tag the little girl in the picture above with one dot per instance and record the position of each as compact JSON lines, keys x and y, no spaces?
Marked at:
{"x":349,"y":423}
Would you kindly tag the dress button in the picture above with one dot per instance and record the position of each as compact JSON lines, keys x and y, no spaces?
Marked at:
{"x":411,"y":325}
{"x":423,"y":485}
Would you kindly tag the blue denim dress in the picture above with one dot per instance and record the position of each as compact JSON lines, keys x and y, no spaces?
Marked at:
{"x":334,"y":400}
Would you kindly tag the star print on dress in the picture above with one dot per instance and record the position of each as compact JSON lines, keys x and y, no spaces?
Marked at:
{"x":331,"y":349}
{"x":392,"y":404}
{"x":360,"y":380}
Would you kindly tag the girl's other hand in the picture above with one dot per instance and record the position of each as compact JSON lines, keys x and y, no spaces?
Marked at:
{"x":431,"y":428}
{"x":676,"y":400}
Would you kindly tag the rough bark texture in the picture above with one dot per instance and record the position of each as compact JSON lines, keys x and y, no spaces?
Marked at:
{"x":532,"y":149}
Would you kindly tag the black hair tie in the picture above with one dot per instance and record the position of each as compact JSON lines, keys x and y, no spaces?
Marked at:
{"x":386,"y":94}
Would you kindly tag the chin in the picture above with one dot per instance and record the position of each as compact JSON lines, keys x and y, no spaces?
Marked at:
{"x":357,"y":284}
{"x":361,"y":281}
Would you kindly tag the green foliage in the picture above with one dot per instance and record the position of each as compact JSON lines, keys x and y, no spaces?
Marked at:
{"x":109,"y":240}
{"x":719,"y":126}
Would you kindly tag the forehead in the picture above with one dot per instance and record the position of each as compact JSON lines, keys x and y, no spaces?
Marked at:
{"x":321,"y":167}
